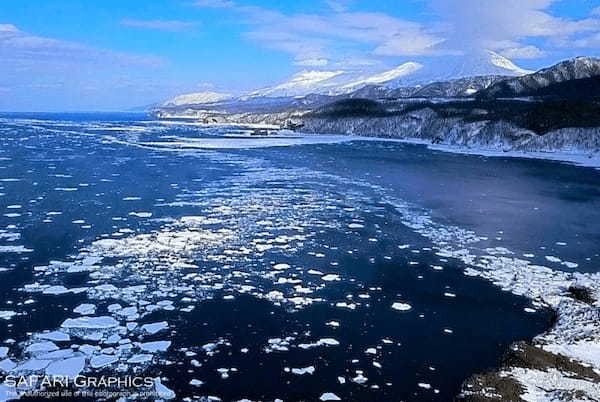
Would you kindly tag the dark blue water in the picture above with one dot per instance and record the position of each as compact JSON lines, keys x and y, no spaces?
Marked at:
{"x":264,"y":252}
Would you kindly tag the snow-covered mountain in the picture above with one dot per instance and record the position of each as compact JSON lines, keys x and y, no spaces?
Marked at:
{"x":386,"y":77}
{"x":334,"y":82}
{"x":197,"y":98}
{"x":301,"y":84}
{"x":486,"y":62}
{"x":475,"y":64}
{"x":547,"y":82}
{"x":341,"y":82}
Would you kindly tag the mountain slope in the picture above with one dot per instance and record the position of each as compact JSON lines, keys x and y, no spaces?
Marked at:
{"x":460,"y":87}
{"x":387,"y":77}
{"x":475,"y":64}
{"x":301,"y":84}
{"x":578,"y":72}
{"x":409,"y":74}
{"x":197,"y":98}
{"x":334,"y":82}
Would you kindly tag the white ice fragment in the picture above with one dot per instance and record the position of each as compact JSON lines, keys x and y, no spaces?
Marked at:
{"x":329,"y":396}
{"x":56,"y":336}
{"x":7,"y":315}
{"x":41,"y":347}
{"x":141,"y":214}
{"x":32,"y":365}
{"x":350,"y":306}
{"x":305,"y":370}
{"x":106,"y":288}
{"x":68,"y":368}
{"x":7,"y":365}
{"x":55,"y":290}
{"x":153,"y":347}
{"x":162,"y":391}
{"x":154,"y":327}
{"x":14,"y":249}
{"x":57,"y":354}
{"x":330,"y":277}
{"x":103,"y":360}
{"x":104,"y":322}
{"x":139,"y":358}
{"x":113,"y":339}
{"x":85,"y":309}
{"x":320,"y":342}
{"x":401,"y":306}
{"x":328,"y":342}
{"x":360,"y":379}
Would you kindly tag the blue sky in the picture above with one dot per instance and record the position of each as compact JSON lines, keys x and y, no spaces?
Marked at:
{"x":112,"y":55}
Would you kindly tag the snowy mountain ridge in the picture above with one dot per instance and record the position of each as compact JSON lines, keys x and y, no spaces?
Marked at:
{"x":384,"y":77}
{"x":341,"y":82}
{"x":542,"y":82}
{"x":302,"y":83}
{"x":198,"y":98}
{"x":484,"y":63}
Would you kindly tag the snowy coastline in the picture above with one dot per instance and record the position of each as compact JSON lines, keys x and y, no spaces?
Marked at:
{"x":580,"y":158}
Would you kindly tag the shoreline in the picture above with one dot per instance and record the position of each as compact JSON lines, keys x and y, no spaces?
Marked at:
{"x":558,"y":364}
{"x":582,"y":159}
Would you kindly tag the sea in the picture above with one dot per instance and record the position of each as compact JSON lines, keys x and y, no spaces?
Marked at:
{"x":232,"y":266}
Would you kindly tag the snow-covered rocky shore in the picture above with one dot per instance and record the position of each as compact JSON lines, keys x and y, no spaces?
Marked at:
{"x":561,"y":364}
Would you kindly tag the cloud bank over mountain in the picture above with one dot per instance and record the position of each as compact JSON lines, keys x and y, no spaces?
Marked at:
{"x":520,"y":29}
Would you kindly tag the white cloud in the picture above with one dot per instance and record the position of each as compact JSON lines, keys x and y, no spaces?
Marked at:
{"x":338,"y":6}
{"x":338,"y":36}
{"x":159,"y":25}
{"x":289,"y":42}
{"x":595,"y":11}
{"x":341,"y":35}
{"x":216,"y":3}
{"x":586,"y":42}
{"x":317,"y":62}
{"x":8,"y":28}
{"x":523,"y":52}
{"x":24,"y":50}
{"x":479,"y":24}
{"x":418,"y":45}
{"x":44,"y":73}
